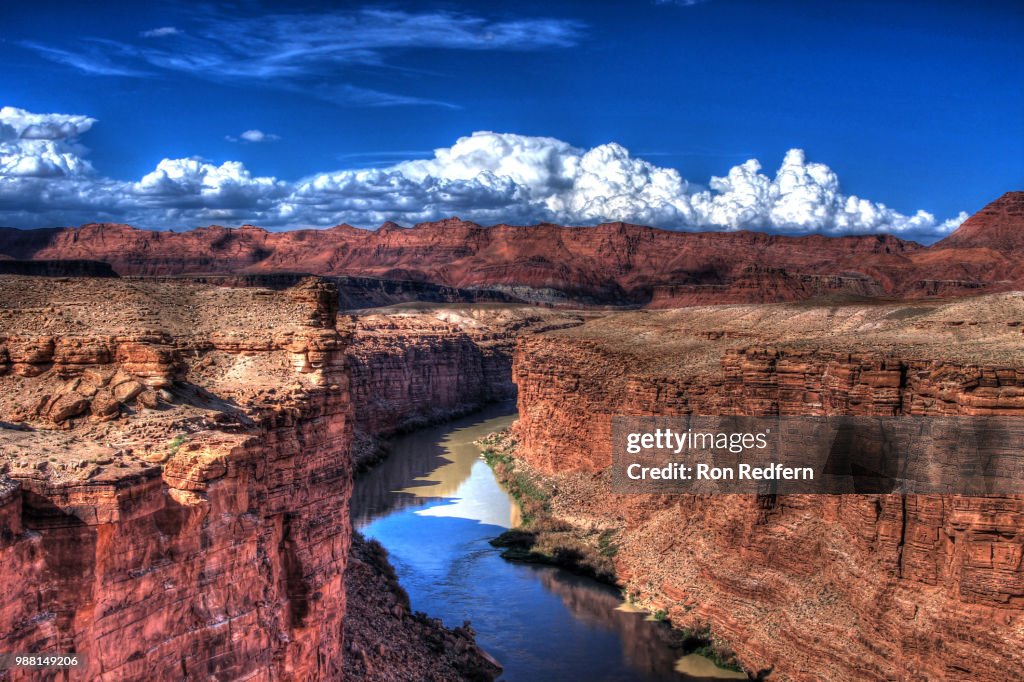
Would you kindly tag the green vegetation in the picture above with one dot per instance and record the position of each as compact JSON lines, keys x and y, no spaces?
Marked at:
{"x":606,"y":543}
{"x":177,"y":442}
{"x":532,"y":498}
{"x":701,"y":641}
{"x":545,"y":539}
{"x":542,"y":538}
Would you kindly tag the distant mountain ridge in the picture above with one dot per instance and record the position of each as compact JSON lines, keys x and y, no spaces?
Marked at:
{"x":612,"y":263}
{"x":999,"y":226}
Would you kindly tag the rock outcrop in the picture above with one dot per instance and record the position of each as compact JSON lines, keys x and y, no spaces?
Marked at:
{"x":386,"y":640}
{"x":613,"y":263}
{"x":177,"y":472}
{"x":176,"y":459}
{"x":996,"y":227}
{"x":872,"y":587}
{"x":416,"y":365}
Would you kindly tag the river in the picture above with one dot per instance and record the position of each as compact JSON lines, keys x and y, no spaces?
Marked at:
{"x":434,"y":504}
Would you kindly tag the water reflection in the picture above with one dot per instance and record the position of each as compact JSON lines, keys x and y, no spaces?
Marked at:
{"x":465,"y":480}
{"x":646,"y":645}
{"x":430,"y":465}
{"x":434,"y":505}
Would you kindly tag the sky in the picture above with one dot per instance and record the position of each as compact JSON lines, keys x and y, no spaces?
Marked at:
{"x":786,"y":116}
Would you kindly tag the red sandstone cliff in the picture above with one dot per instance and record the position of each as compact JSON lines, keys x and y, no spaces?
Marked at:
{"x":175,"y":471}
{"x":411,"y":365}
{"x":611,"y":263}
{"x":166,"y":513}
{"x":872,"y":587}
{"x":386,"y":640}
{"x":997,"y":227}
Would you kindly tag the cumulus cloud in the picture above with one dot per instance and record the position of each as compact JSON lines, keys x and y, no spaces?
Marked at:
{"x":488,"y":177}
{"x":194,"y":180}
{"x":802,"y":197}
{"x":559,"y":181}
{"x":556,"y":181}
{"x":41,"y":145}
{"x":254,"y":136}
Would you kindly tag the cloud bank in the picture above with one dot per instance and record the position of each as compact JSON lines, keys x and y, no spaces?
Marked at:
{"x":487,"y":177}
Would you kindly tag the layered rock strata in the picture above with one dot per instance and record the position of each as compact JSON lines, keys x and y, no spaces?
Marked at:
{"x":413,"y":365}
{"x":873,"y":587}
{"x":176,"y":478}
{"x":613,"y":263}
{"x":176,"y":465}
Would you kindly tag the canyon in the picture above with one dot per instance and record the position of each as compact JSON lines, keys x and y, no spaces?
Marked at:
{"x":165,"y":515}
{"x":176,"y":460}
{"x":806,"y":587}
{"x":182,"y":416}
{"x":416,"y":365}
{"x":609,"y":264}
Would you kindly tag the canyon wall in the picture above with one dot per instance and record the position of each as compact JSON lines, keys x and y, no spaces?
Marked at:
{"x":612,"y":263}
{"x":176,"y":475}
{"x":873,"y":587}
{"x":176,"y":460}
{"x":420,"y":364}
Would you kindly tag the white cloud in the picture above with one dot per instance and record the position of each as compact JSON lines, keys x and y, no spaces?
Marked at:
{"x":308,"y":53}
{"x":559,"y":181}
{"x":802,"y":197}
{"x":487,"y":177}
{"x":538,"y":163}
{"x":258,"y":136}
{"x":161,"y":32}
{"x":45,"y":126}
{"x":369,"y":197}
{"x":254,"y":136}
{"x":195,"y":179}
{"x":92,"y":59}
{"x":194,"y":191}
{"x":41,"y":145}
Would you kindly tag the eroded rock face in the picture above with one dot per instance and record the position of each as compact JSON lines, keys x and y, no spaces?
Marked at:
{"x":613,"y":263}
{"x":177,"y":475}
{"x":997,"y":226}
{"x":412,"y":366}
{"x":386,"y":640}
{"x":810,"y":587}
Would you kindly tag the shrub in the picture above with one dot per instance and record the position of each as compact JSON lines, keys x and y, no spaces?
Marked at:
{"x":177,"y":442}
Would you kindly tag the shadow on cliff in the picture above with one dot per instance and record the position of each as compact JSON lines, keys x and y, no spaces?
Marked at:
{"x":68,"y":547}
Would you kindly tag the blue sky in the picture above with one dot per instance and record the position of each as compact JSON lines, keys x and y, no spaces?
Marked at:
{"x":910,"y":107}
